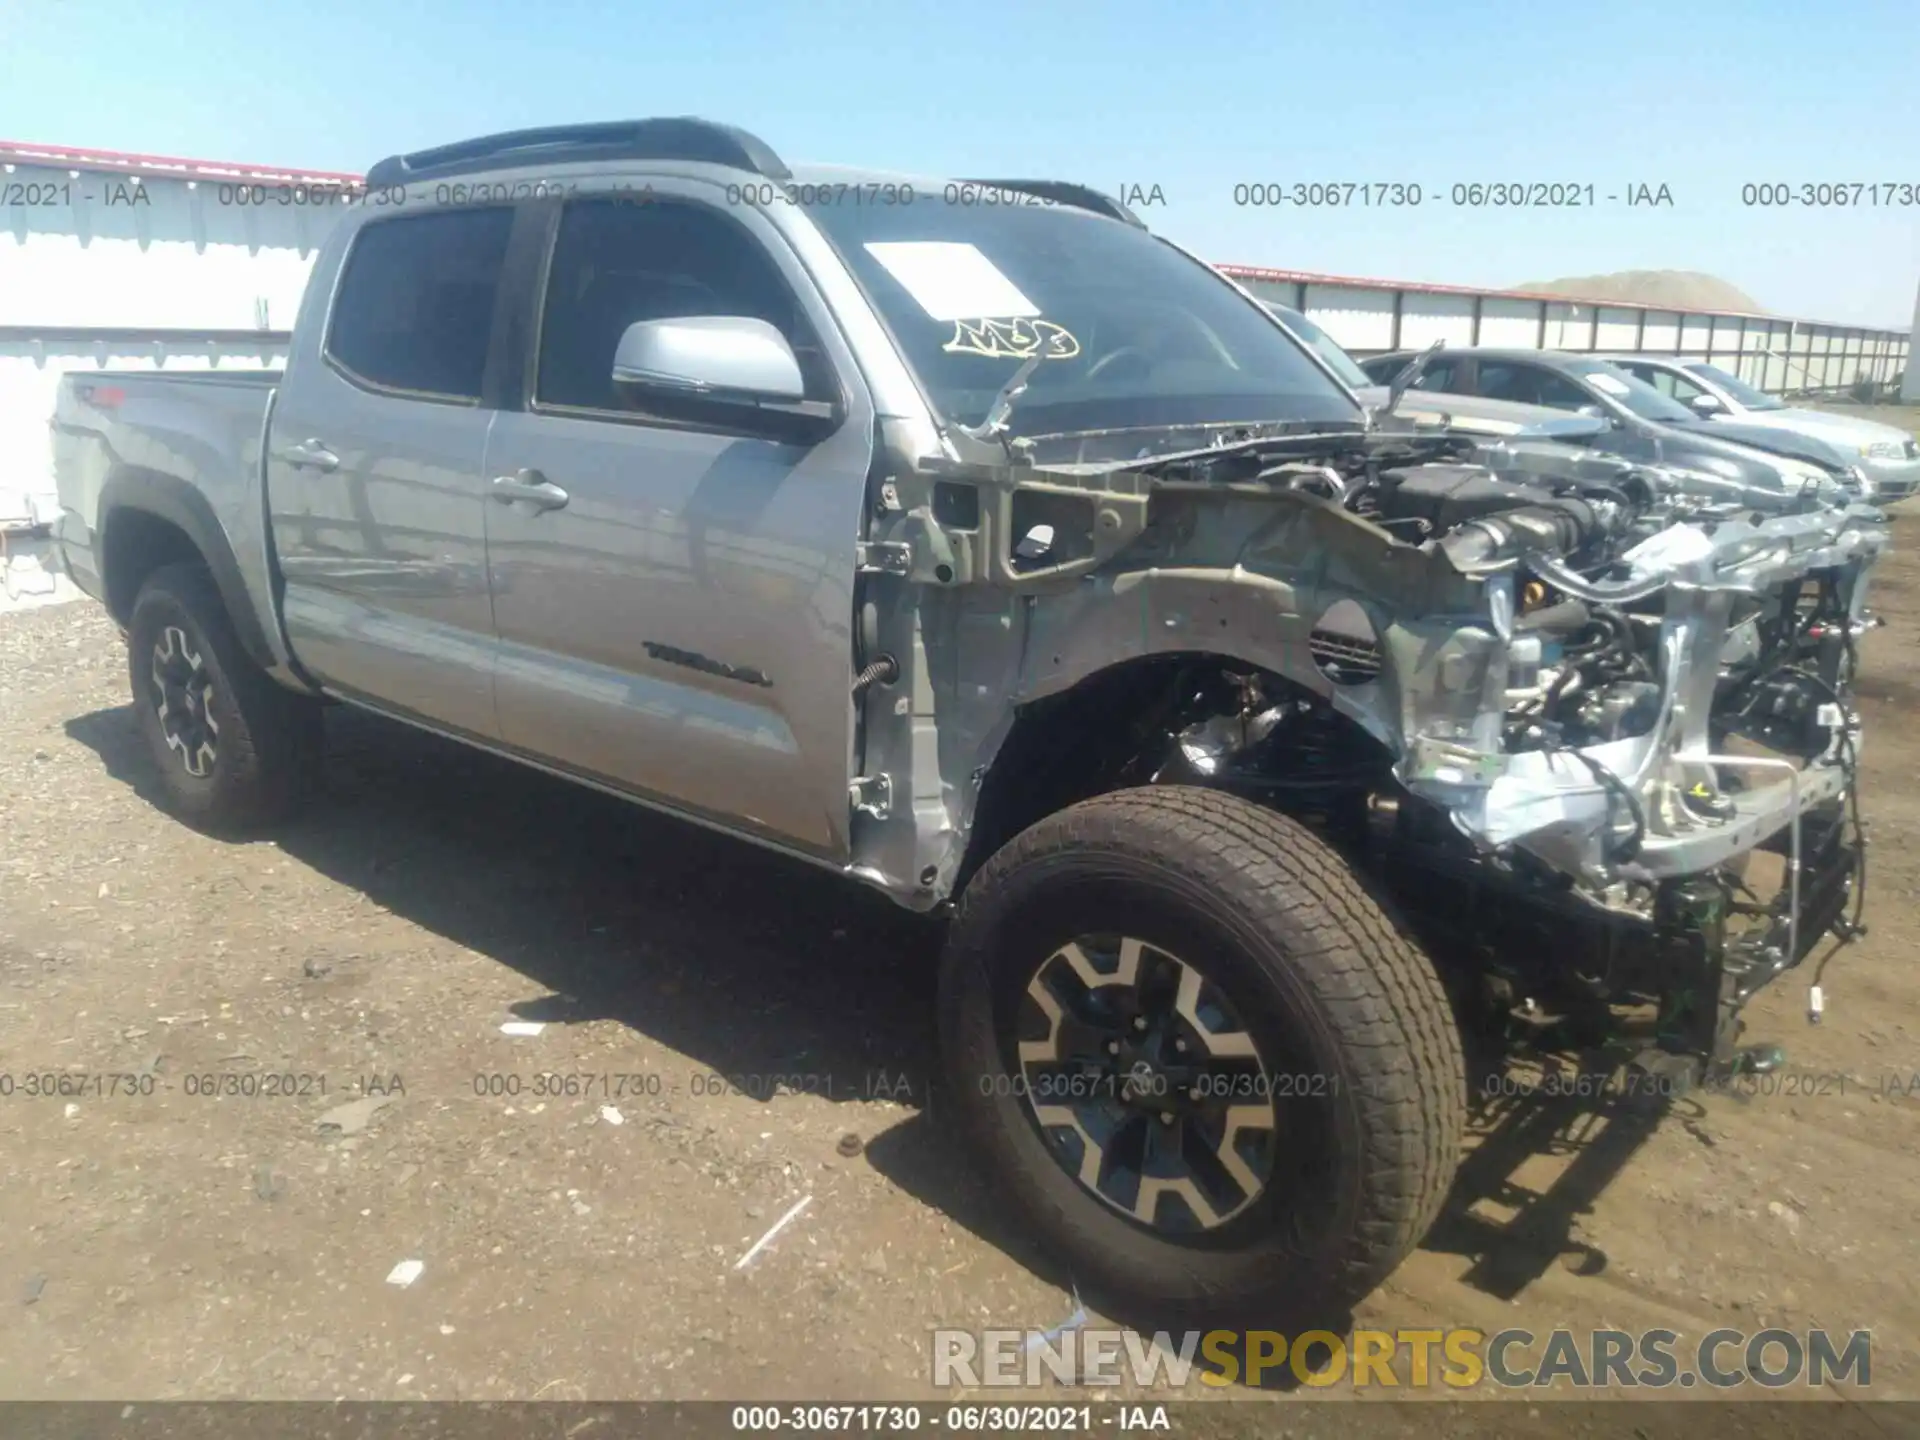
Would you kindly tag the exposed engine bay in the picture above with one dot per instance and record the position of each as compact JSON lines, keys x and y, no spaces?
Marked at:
{"x":1666,"y":688}
{"x":1557,"y":702}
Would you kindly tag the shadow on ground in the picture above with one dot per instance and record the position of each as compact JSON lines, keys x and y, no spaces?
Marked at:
{"x":756,"y":966}
{"x":752,"y":965}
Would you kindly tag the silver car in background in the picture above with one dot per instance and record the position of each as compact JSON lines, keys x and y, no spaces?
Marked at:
{"x":1493,"y":420}
{"x":1889,"y":455}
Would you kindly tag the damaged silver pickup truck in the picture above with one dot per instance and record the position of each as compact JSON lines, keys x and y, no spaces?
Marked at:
{"x":964,"y":538}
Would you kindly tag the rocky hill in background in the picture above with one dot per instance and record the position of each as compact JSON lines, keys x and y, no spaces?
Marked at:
{"x":1675,"y":289}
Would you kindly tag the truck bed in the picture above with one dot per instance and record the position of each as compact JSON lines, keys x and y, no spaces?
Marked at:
{"x":178,"y":440}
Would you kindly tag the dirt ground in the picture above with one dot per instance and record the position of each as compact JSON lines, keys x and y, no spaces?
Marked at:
{"x":163,"y":1242}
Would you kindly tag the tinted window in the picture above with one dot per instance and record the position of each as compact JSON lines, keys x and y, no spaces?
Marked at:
{"x":1661,"y":380}
{"x":1633,"y":394}
{"x":1747,"y":395}
{"x":1134,"y":334}
{"x":1441,"y":374}
{"x":1530,"y":385}
{"x":616,"y":262}
{"x":1445,"y":375}
{"x":1324,"y":345}
{"x":415,"y":305}
{"x":1681,"y":389}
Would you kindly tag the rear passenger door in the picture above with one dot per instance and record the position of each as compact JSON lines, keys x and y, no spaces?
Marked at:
{"x":675,"y":618}
{"x":374,"y":468}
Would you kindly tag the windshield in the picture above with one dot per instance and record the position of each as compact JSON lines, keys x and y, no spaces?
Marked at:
{"x":1636,"y":395}
{"x":1135,"y":334}
{"x":1739,"y":389}
{"x":1325,"y":346}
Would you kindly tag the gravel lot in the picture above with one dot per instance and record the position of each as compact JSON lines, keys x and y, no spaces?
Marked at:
{"x":162,"y":1243}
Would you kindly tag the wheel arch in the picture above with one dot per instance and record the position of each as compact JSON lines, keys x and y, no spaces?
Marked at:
{"x":149,"y":519}
{"x":1060,"y":749}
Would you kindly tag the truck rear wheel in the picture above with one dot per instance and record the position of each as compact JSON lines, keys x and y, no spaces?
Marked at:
{"x":234,"y":749}
{"x":1205,"y":1064}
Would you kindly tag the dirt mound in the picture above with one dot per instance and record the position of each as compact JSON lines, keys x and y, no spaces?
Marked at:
{"x":1677,"y":289}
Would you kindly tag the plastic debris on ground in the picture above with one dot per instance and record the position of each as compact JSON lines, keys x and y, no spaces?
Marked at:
{"x":405,"y":1273}
{"x":1072,"y":1322}
{"x":778,"y":1226}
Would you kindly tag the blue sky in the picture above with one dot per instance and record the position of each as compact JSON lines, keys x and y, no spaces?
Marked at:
{"x":1194,"y":96}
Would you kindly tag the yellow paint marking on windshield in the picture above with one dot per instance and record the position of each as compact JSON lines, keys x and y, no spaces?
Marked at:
{"x":1019,"y":339}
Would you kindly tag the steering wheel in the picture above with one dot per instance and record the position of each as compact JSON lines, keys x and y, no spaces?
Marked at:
{"x":1124,"y":352}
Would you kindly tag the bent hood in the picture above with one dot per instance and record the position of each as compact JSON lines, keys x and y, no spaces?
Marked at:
{"x":1774,"y":440}
{"x":1848,"y":433}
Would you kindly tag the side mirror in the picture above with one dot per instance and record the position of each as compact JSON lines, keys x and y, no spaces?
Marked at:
{"x":1705,"y":404}
{"x":728,"y":355}
{"x":724,"y":360}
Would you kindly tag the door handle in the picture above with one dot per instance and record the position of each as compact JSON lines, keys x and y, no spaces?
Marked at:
{"x":310,"y":455}
{"x":530,"y":486}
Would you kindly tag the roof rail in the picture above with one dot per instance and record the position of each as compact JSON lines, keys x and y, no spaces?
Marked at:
{"x":1065,"y":192}
{"x":671,"y":138}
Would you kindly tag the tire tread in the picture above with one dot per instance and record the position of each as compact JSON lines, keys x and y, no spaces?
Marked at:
{"x":1387,"y":1009}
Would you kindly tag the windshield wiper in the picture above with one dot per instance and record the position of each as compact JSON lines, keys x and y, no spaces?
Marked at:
{"x":1409,"y":373}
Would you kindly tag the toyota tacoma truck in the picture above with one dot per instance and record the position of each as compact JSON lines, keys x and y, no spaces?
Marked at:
{"x":967,"y":540}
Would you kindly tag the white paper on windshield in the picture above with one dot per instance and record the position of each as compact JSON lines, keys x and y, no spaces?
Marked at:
{"x":1607,"y":383}
{"x":952,"y":281}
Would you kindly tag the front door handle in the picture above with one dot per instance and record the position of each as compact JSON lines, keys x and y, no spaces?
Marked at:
{"x":310,"y":455}
{"x":530,"y":486}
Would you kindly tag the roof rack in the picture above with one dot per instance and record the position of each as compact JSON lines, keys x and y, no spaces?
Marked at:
{"x":1065,"y":192}
{"x":671,"y":138}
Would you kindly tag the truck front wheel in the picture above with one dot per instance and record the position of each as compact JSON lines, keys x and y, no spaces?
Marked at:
{"x":1216,"y":1079}
{"x":234,"y":749}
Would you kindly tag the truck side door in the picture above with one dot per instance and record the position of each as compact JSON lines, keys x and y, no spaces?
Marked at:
{"x":675,"y":615}
{"x":374,"y":458}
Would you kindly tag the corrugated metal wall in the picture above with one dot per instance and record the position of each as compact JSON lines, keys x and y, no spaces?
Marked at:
{"x":1910,"y":387}
{"x":117,"y":262}
{"x":106,"y":269}
{"x":1785,"y":356}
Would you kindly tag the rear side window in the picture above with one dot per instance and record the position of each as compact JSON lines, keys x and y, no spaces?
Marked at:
{"x":414,"y":308}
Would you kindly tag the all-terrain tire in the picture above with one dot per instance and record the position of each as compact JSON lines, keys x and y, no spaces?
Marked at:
{"x":1350,"y":1019}
{"x":265,"y":741}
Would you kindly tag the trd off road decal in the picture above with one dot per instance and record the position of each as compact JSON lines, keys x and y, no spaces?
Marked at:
{"x":1017,"y":339}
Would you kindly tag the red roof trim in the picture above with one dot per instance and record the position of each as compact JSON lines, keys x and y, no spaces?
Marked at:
{"x":20,"y":152}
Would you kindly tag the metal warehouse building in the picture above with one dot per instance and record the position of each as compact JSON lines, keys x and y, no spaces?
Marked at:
{"x":138,"y":261}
